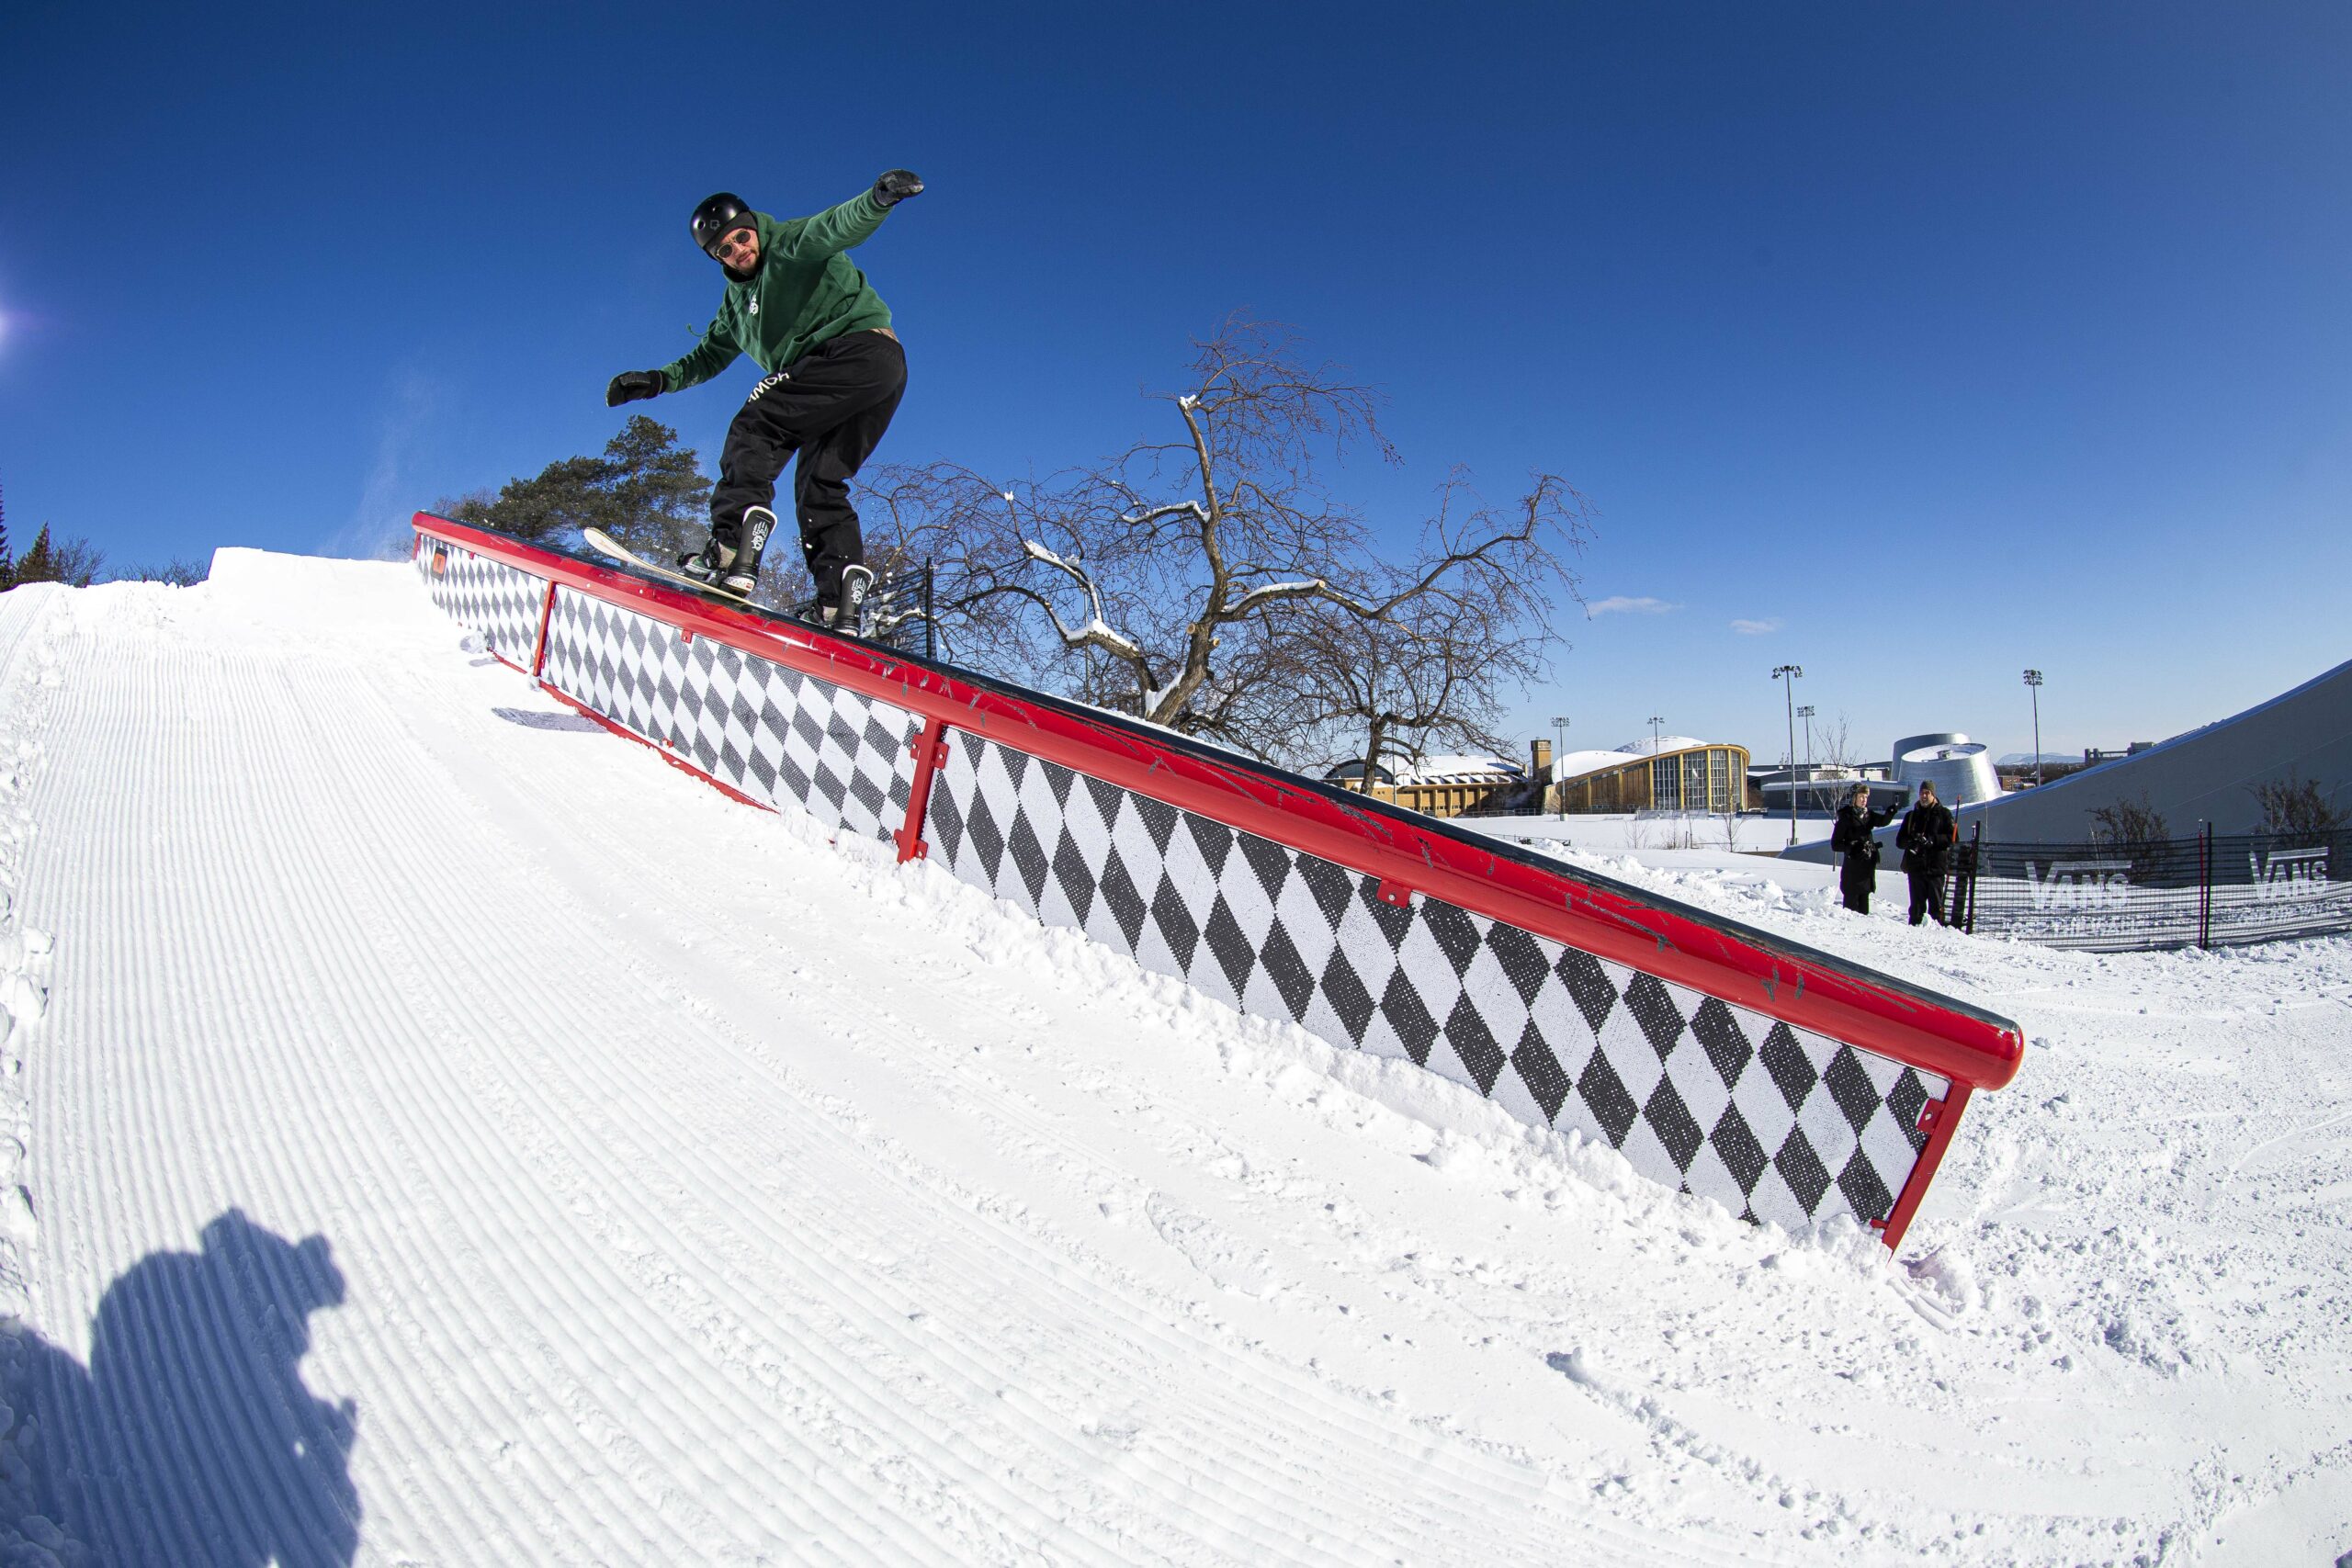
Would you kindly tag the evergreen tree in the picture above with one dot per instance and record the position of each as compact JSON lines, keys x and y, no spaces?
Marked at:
{"x":645,"y":491}
{"x":39,"y":563}
{"x":73,"y":562}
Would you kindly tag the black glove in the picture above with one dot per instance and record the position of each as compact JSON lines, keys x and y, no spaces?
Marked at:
{"x":631,"y":385}
{"x":896,"y":186}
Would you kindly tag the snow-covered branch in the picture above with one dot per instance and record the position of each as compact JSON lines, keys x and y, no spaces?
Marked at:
{"x":1136,"y":519}
{"x":1267,"y":593}
{"x":1097,"y":632}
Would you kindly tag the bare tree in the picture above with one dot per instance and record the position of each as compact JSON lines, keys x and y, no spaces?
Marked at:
{"x":2129,"y":822}
{"x":1430,"y":674}
{"x":1836,"y":744}
{"x":180,"y":572}
{"x":2137,"y":829}
{"x":1203,"y":580}
{"x":2294,"y":809}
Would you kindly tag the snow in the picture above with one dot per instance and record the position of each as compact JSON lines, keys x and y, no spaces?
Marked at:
{"x":1653,"y":745}
{"x":1622,"y":832}
{"x":1452,"y":768}
{"x":1038,"y":552}
{"x":448,"y":1135}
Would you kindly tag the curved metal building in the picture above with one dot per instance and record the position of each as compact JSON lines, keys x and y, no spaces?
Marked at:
{"x":2206,"y":775}
{"x":1956,"y":765}
{"x":2210,"y":774}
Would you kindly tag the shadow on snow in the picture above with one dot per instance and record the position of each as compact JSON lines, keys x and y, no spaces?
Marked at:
{"x":189,"y":1440}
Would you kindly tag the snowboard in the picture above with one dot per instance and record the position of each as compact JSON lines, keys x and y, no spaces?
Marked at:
{"x":604,"y":543}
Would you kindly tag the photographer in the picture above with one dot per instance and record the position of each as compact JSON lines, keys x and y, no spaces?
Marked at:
{"x":1925,"y":840}
{"x":1858,"y":873}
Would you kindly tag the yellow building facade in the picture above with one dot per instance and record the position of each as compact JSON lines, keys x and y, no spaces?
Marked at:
{"x":1698,"y":778}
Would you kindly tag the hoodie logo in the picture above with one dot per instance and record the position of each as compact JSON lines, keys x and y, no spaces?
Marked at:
{"x":755,"y":304}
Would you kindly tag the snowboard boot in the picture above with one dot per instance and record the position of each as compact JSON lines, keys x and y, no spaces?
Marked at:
{"x":849,"y":618}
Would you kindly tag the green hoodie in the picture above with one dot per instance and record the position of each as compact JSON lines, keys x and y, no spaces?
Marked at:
{"x":805,"y":293}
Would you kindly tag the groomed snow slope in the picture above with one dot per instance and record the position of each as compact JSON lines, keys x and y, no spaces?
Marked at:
{"x":457,"y":1137}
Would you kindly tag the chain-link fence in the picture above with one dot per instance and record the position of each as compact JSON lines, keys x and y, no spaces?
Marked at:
{"x":2214,"y":890}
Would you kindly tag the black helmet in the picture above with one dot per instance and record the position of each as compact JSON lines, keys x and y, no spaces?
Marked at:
{"x":719,"y":215}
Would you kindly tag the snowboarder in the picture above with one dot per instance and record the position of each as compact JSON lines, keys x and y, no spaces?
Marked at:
{"x":1857,"y":874}
{"x":808,"y":317}
{"x":1926,"y":838}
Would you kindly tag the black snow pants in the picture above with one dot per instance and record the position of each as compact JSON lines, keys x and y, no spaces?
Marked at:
{"x":1928,"y":896}
{"x":1857,"y":879}
{"x":831,"y":406}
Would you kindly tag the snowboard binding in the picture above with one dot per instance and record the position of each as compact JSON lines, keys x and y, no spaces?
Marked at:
{"x":732,"y":566}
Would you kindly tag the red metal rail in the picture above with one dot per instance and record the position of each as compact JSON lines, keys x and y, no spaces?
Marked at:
{"x":1751,"y":968}
{"x":1408,"y":852}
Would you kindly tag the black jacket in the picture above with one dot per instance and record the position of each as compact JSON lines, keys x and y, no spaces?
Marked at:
{"x":1851,"y":837}
{"x":1925,"y":837}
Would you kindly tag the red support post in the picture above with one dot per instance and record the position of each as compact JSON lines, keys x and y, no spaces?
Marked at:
{"x":1939,"y":1119}
{"x":539,"y":648}
{"x":931,"y":750}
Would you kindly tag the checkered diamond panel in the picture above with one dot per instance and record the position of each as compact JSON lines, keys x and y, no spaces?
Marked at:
{"x":769,"y":731}
{"x":501,"y":602}
{"x":1774,"y":1122}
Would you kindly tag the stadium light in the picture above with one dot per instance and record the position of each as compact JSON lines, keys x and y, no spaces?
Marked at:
{"x":2033,"y":686}
{"x":1788,"y":675}
{"x":1560,"y":749}
{"x":1655,"y":722}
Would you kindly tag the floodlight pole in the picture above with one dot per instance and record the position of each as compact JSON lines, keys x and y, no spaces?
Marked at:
{"x":1788,"y":675}
{"x":1560,"y":749}
{"x":1806,"y":713}
{"x":2033,"y":685}
{"x":1655,"y":722}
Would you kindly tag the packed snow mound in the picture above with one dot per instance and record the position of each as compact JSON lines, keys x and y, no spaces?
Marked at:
{"x":455,"y":1137}
{"x":362,"y":604}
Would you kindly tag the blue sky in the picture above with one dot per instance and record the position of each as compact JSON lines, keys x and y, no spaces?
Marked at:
{"x":1911,"y":344}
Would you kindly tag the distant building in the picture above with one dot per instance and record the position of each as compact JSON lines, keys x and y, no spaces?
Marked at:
{"x":1823,"y":787}
{"x":2226,"y":775}
{"x":1958,"y":767}
{"x":1674,"y":773}
{"x":1449,"y":786}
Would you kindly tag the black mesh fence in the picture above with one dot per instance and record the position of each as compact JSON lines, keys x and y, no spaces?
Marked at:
{"x":2216,"y":890}
{"x":898,"y":611}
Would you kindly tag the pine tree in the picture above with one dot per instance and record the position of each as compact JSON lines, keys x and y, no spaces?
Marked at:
{"x":646,"y":490}
{"x":39,"y":563}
